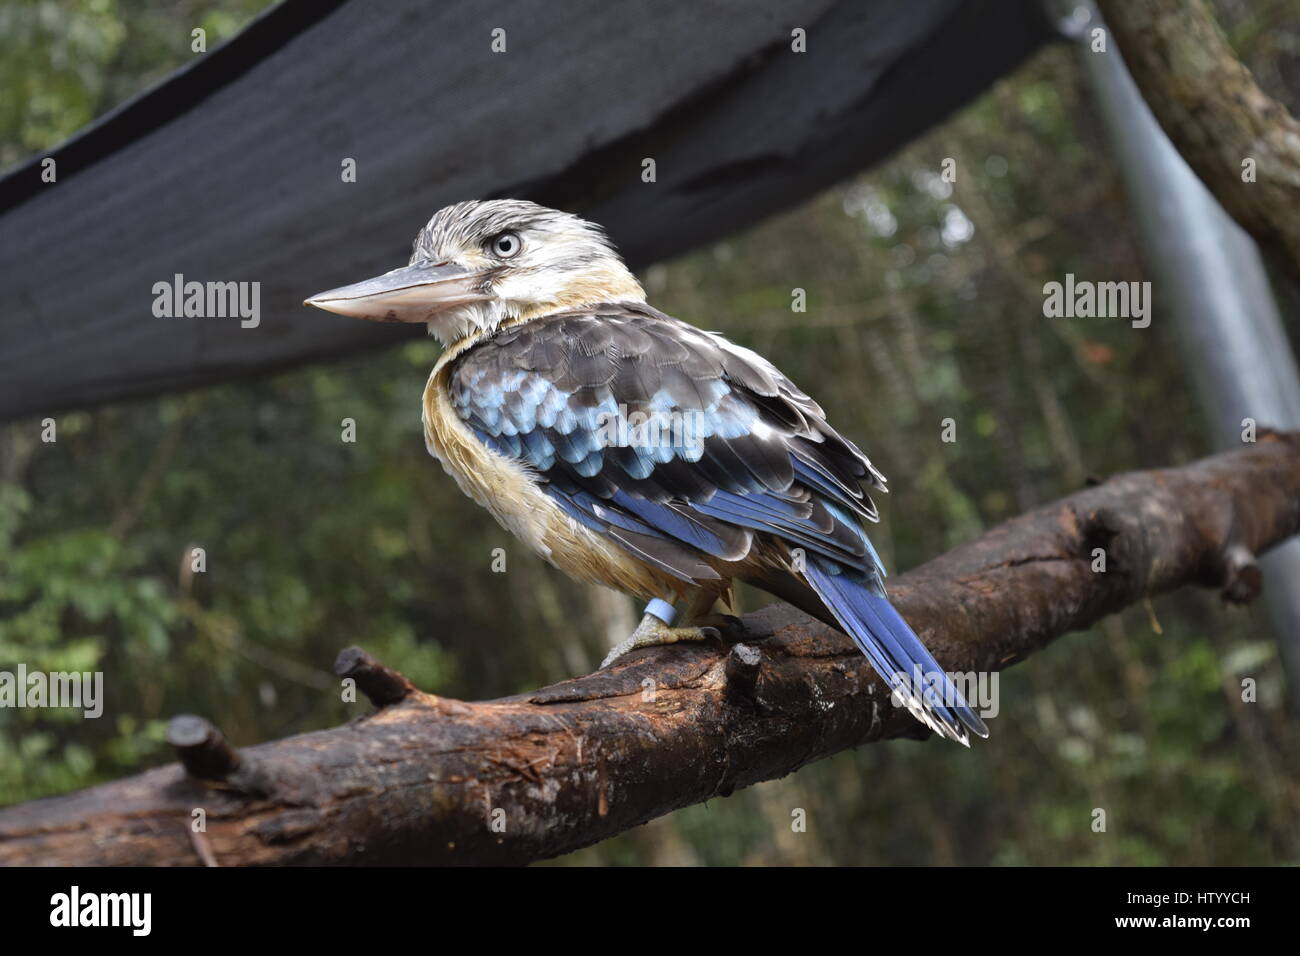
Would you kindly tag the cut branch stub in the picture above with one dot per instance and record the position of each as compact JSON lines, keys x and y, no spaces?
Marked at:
{"x":742,"y":667}
{"x":1242,"y":578}
{"x":383,"y":685}
{"x":208,"y":758}
{"x":202,"y":749}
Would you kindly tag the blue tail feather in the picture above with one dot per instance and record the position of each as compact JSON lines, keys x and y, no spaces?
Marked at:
{"x":893,"y":649}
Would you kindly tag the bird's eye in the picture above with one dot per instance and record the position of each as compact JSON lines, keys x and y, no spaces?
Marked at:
{"x":506,"y":245}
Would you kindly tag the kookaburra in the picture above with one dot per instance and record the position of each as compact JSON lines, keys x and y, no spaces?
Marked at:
{"x":633,"y":450}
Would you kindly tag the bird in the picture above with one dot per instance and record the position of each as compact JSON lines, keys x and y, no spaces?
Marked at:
{"x":631,"y":449}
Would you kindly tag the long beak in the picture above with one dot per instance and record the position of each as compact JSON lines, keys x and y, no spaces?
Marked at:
{"x":408,"y":294}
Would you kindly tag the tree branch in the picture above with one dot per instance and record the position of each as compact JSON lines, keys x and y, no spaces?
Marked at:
{"x":427,"y":779}
{"x":1216,"y":115}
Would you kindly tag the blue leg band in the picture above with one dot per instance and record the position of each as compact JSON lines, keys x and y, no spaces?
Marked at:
{"x":662,"y":610}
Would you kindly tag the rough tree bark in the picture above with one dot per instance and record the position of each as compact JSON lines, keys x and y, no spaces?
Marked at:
{"x":1215,"y":113}
{"x":422,"y":778}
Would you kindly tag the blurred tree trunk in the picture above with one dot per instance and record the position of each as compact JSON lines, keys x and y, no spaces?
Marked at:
{"x":1241,"y":142}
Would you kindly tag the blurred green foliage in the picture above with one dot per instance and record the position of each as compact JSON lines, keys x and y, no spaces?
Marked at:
{"x":924,"y":303}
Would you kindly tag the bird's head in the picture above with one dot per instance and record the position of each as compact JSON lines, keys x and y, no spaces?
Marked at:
{"x":479,"y":264}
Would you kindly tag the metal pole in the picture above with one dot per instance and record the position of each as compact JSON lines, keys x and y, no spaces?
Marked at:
{"x":1209,"y":281}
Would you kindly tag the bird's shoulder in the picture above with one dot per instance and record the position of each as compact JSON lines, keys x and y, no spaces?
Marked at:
{"x":548,"y":390}
{"x":638,"y":355}
{"x":583,"y":348}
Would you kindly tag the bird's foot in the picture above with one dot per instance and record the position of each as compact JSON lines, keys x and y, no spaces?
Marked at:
{"x":652,"y":632}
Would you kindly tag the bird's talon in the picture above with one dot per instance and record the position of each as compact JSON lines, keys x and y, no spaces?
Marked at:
{"x":652,"y":632}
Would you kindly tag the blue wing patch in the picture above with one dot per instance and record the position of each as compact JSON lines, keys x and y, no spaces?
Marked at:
{"x":637,"y":424}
